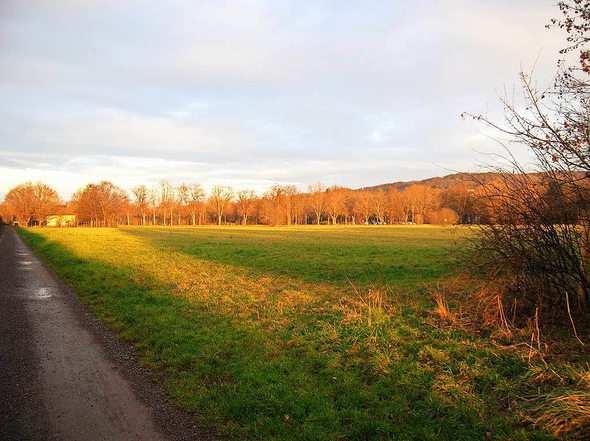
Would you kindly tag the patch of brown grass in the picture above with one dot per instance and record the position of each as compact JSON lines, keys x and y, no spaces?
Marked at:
{"x":450,"y":299}
{"x":564,"y":413}
{"x":489,"y":300}
{"x":563,"y":409}
{"x":442,"y":308}
{"x":469,"y":304}
{"x":367,"y":306}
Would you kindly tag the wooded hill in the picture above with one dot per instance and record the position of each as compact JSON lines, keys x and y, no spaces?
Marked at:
{"x":471,"y":180}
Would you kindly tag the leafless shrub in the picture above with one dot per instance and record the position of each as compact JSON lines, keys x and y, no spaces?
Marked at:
{"x":538,"y":231}
{"x":537,"y":238}
{"x":536,"y":242}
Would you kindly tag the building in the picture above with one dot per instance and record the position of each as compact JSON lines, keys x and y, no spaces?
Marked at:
{"x":60,"y":220}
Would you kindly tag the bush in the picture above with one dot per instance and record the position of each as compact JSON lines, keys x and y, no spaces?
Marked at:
{"x":444,"y":216}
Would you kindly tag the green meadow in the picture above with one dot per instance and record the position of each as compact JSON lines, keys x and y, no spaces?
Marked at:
{"x":298,"y":333}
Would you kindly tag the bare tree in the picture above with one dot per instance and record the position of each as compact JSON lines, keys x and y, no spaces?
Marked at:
{"x":219,"y":200}
{"x":141,"y":196}
{"x":298,"y":207}
{"x":274,"y":205}
{"x":317,"y":195}
{"x":196,"y":196}
{"x":166,"y":201}
{"x":153,"y":201}
{"x":379,"y":205}
{"x":183,"y":199}
{"x":100,"y":204}
{"x":421,"y":199}
{"x":245,"y":204}
{"x":290,"y":191}
{"x":460,"y":198}
{"x":335,"y":203}
{"x":395,"y":206}
{"x":364,"y":205}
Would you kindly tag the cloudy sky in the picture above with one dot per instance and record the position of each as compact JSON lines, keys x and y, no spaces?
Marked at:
{"x":251,"y":93}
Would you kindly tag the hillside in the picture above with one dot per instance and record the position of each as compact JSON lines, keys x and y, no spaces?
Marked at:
{"x":444,"y":182}
{"x":440,"y":182}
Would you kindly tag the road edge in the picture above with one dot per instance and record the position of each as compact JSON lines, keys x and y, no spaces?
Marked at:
{"x":173,"y":421}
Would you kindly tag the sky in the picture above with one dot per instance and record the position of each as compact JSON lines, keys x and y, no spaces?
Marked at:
{"x":252,"y":93}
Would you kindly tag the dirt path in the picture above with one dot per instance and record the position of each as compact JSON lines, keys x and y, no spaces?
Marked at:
{"x":56,"y":380}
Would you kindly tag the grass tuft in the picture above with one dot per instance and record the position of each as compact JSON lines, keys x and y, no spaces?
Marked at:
{"x":564,"y":413}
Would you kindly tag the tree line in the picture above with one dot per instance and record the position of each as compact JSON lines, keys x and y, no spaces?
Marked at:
{"x":105,"y":204}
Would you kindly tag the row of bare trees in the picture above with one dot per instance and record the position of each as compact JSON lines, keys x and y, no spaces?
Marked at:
{"x":105,"y":204}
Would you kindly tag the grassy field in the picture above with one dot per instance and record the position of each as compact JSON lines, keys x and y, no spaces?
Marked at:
{"x":302,"y":333}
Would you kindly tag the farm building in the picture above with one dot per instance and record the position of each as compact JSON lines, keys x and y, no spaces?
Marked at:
{"x":60,"y":220}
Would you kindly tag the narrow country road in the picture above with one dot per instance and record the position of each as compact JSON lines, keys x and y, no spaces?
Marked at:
{"x":56,"y":381}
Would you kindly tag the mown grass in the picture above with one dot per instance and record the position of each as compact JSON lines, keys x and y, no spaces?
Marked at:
{"x":301,"y":333}
{"x":400,"y":255}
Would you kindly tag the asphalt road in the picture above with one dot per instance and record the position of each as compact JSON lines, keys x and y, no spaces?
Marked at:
{"x":57,"y":379}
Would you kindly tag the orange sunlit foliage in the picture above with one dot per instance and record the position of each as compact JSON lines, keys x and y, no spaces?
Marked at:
{"x":105,"y":204}
{"x":30,"y":204}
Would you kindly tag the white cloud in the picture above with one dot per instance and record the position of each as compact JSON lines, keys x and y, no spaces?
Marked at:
{"x":254,"y":92}
{"x":116,"y":129}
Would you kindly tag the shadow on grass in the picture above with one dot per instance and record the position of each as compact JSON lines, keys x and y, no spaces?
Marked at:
{"x":293,"y":385}
{"x":362,"y":255}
